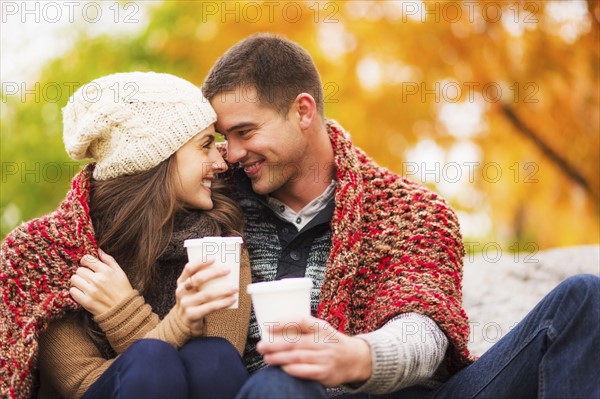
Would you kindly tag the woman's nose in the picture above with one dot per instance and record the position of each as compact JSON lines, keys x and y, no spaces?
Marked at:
{"x":219,"y":165}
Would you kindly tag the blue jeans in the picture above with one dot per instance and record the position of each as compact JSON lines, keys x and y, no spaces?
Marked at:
{"x":203,"y":368}
{"x":553,"y":352}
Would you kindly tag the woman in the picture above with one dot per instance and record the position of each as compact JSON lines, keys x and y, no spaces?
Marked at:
{"x":148,"y":328}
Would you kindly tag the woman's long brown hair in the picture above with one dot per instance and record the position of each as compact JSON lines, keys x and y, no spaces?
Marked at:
{"x":133,"y":218}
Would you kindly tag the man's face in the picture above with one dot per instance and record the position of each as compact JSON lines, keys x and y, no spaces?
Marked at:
{"x":270,"y":147}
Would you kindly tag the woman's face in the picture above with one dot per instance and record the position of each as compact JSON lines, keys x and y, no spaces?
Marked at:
{"x":196,"y":164}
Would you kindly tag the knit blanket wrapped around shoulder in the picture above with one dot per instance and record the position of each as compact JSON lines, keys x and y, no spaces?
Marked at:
{"x":396,"y":248}
{"x":38,"y":259}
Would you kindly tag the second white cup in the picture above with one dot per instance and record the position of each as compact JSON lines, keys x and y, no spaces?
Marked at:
{"x":280,"y":302}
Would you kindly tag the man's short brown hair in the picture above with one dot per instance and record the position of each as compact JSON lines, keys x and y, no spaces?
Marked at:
{"x":277,"y":68}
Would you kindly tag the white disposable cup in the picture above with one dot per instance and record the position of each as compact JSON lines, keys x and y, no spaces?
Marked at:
{"x":226,"y":253}
{"x":280,"y":302}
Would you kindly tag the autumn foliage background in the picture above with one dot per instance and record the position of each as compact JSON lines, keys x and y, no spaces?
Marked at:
{"x":495,"y":105}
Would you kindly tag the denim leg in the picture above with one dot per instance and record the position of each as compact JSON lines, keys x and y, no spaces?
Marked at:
{"x":214,"y":367}
{"x":552,"y":353}
{"x":273,"y":382}
{"x":414,"y":392}
{"x":149,"y":369}
{"x":570,"y":366}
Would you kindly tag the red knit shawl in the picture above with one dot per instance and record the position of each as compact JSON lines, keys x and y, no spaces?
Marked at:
{"x":38,"y":259}
{"x":396,"y":248}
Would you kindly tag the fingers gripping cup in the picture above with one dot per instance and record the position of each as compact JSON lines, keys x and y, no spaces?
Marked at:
{"x":226,"y":253}
{"x":280,"y":302}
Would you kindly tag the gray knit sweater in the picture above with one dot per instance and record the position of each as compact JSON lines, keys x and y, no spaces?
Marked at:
{"x":405,"y":351}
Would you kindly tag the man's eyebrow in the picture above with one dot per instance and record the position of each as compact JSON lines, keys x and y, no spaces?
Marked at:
{"x":240,"y":126}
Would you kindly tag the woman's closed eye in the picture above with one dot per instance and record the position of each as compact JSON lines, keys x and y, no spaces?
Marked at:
{"x":210,"y":142}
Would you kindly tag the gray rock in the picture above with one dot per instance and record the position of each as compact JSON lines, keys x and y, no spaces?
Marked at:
{"x":499,"y":289}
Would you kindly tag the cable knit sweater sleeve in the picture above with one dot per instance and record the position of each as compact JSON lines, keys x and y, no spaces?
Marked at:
{"x":406,"y":351}
{"x":133,"y":319}
{"x":72,"y":363}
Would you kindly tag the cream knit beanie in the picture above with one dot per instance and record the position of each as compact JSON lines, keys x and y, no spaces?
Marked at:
{"x":130,"y":122}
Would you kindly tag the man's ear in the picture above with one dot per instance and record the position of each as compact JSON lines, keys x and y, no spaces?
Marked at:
{"x":306,"y":109}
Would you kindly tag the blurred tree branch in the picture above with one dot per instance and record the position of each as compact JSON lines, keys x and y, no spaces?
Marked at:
{"x":564,"y":165}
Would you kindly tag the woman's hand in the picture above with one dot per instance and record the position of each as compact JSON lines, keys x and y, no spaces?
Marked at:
{"x":194,"y":300}
{"x":99,"y":284}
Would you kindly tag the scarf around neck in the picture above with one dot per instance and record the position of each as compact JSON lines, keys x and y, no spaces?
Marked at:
{"x":160,"y":295}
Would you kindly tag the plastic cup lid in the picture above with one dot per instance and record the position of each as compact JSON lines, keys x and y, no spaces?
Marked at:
{"x":286,"y":284}
{"x":199,"y":241}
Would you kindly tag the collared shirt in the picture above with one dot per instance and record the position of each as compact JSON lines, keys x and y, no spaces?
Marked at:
{"x":306,"y":214}
{"x":279,"y":250}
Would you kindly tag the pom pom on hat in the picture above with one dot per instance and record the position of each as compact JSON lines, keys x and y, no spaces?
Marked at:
{"x":130,"y":122}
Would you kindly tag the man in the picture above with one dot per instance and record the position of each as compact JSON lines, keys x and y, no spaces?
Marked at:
{"x":385,"y":254}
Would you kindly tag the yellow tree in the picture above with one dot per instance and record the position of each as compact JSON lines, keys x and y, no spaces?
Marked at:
{"x":493,"y":104}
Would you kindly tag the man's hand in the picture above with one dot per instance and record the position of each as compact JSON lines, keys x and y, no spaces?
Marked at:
{"x":312,"y":349}
{"x":99,"y":284}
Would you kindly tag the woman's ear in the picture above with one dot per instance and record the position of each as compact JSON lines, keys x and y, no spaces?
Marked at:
{"x":306,"y":109}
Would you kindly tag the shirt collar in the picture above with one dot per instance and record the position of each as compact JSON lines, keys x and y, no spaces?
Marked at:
{"x":306,"y":214}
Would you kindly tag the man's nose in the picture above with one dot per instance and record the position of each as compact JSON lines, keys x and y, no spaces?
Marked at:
{"x":235,"y":152}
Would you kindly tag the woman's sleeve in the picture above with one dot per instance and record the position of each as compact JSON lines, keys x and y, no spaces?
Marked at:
{"x":133,"y":319}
